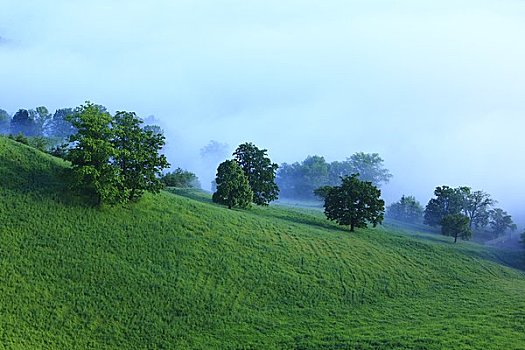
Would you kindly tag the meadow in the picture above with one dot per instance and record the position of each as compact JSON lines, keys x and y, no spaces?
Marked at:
{"x":175,"y":271}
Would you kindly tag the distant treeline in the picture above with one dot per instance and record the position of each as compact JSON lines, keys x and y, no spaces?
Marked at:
{"x":300,"y":179}
{"x":37,"y":122}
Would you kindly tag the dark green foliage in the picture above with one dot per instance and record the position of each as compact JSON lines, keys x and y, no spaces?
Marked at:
{"x":501,"y":222}
{"x":456,"y":225}
{"x":322,"y":192}
{"x":114,"y":157}
{"x":60,"y":150}
{"x":407,"y":209}
{"x":41,"y":143}
{"x":180,"y":178}
{"x":21,"y":138}
{"x":233,"y":188}
{"x":137,"y":156}
{"x":355,"y":203}
{"x":260,"y":172}
{"x":92,"y":153}
{"x":448,"y":201}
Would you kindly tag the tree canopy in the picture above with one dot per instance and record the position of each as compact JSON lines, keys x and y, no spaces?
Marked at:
{"x":500,"y":222}
{"x":233,"y":188}
{"x":456,"y":225}
{"x":355,"y":203}
{"x":448,"y":201}
{"x":260,"y":172}
{"x":181,"y":178}
{"x":114,"y":157}
{"x":407,"y":209}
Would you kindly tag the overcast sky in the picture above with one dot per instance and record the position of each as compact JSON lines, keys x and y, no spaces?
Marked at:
{"x":436,"y":87}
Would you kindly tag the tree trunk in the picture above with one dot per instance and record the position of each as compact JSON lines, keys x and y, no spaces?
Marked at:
{"x":455,"y":238}
{"x":352,"y":227}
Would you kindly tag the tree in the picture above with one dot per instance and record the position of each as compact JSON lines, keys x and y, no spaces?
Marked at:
{"x":501,"y":221}
{"x":369,"y":166}
{"x":92,"y":152}
{"x":448,"y":201}
{"x":300,"y":180}
{"x":181,"y":178}
{"x":59,"y":125}
{"x":407,"y":209}
{"x":23,"y":123}
{"x":42,"y":117}
{"x":354,"y":203}
{"x":456,"y":225}
{"x":137,"y":155}
{"x":260,"y":172}
{"x":476,"y":206}
{"x":233,"y":188}
{"x":5,"y":121}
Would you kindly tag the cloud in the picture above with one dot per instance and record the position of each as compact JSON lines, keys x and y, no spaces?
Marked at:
{"x":435,"y":87}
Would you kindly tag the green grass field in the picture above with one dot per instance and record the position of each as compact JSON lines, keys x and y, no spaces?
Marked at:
{"x":175,"y":271}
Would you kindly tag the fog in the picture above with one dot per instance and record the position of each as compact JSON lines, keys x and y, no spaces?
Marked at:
{"x":436,"y":88}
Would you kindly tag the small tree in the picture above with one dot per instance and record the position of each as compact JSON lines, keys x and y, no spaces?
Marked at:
{"x":233,"y":188}
{"x":181,"y":178}
{"x":260,"y":172}
{"x":456,"y":225}
{"x":407,"y":209}
{"x":354,"y":203}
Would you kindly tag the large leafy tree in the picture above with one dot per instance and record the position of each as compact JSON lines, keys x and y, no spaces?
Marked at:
{"x":92,"y":153}
{"x":456,"y":225}
{"x":407,"y":209}
{"x":233,"y":188}
{"x":448,"y":201}
{"x":260,"y":172}
{"x":501,"y":222}
{"x":355,"y":203}
{"x":137,"y":155}
{"x":114,"y":157}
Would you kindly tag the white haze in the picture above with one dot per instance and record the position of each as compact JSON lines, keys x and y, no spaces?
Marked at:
{"x":436,"y":87}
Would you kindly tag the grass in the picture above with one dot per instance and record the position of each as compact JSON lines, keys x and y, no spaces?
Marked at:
{"x":175,"y":271}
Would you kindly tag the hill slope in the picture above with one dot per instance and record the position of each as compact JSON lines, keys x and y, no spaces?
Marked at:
{"x":176,"y":271}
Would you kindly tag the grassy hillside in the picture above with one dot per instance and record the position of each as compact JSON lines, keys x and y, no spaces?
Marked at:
{"x":176,"y":271}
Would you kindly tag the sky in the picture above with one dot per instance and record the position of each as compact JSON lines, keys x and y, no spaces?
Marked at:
{"x":437,"y":88}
